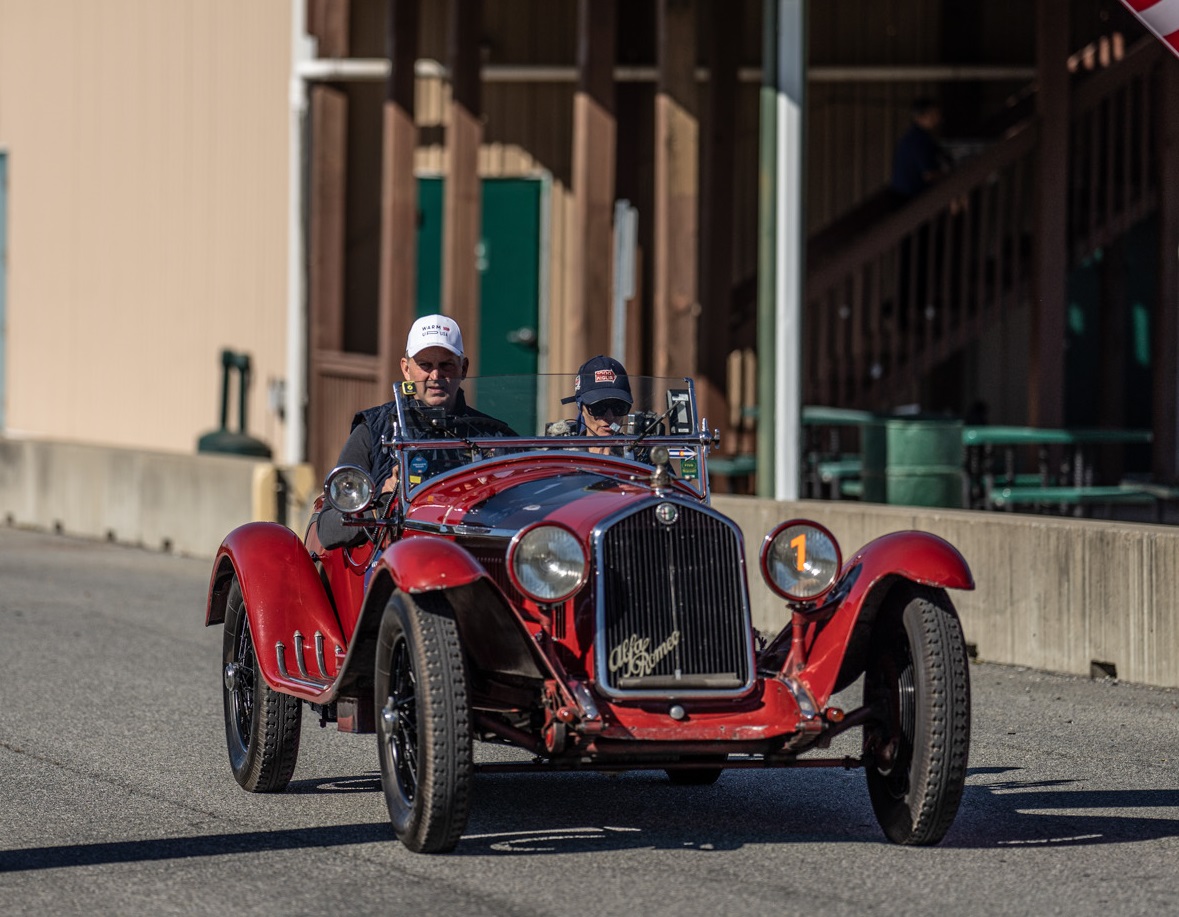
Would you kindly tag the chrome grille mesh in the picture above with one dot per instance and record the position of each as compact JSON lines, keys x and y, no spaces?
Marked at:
{"x":672,"y":608}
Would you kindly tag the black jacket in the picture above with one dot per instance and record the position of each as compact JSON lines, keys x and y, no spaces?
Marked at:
{"x":363,"y":449}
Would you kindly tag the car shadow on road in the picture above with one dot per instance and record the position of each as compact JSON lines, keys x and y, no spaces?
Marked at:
{"x":523,"y":813}
{"x":559,"y":813}
{"x":182,"y":848}
{"x":1011,"y":812}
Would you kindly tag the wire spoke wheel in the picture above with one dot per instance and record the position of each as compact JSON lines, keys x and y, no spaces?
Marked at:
{"x":399,"y":723}
{"x":262,"y":726}
{"x":242,"y":689}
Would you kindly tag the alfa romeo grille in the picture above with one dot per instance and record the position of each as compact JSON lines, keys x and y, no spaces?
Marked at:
{"x":672,"y":610}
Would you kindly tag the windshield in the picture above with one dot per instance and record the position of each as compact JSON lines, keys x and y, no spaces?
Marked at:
{"x":495,"y":416}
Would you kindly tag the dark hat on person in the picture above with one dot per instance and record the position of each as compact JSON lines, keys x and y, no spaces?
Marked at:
{"x":599,"y":378}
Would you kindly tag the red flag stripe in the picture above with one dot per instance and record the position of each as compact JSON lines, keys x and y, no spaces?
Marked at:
{"x":1161,"y":17}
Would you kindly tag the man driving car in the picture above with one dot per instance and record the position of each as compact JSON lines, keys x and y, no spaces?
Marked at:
{"x":436,"y":365}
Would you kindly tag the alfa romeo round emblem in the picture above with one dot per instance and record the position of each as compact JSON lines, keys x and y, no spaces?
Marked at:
{"x":667,"y":513}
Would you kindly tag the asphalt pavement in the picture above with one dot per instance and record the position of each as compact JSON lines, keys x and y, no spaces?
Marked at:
{"x":116,"y":795}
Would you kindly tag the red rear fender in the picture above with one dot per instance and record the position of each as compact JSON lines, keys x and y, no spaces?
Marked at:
{"x":282,"y":590}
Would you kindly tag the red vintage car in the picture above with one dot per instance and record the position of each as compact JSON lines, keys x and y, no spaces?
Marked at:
{"x":578,"y":597}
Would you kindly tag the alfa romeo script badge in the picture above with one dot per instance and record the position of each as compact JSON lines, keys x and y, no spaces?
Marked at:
{"x":667,"y":513}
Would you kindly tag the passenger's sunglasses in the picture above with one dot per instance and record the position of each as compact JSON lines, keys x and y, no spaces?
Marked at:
{"x":614,"y":406}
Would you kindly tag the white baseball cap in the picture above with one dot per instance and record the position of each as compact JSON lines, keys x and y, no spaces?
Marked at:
{"x":434,"y":331}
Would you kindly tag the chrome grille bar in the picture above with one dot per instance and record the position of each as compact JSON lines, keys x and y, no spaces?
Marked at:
{"x":673,"y":612}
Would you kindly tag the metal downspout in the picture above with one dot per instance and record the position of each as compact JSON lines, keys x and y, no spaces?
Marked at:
{"x":791,"y":246}
{"x":767,"y":161}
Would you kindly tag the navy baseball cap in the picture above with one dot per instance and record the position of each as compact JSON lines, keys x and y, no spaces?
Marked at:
{"x":600,"y":378}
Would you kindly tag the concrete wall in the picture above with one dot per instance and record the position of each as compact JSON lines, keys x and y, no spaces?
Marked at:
{"x":181,"y":503}
{"x":1054,"y":594}
{"x":1051,"y":593}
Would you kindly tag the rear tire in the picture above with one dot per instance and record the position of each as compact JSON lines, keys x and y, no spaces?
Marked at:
{"x":262,"y":726}
{"x":423,"y":723}
{"x":916,"y":749}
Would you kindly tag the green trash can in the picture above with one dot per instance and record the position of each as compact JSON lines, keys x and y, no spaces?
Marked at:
{"x":224,"y":439}
{"x":914,"y":461}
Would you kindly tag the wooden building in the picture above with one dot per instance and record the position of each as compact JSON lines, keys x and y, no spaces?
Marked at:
{"x":1042,"y":253}
{"x":477,"y":157}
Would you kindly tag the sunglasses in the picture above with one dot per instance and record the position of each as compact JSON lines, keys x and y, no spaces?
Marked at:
{"x":614,"y":406}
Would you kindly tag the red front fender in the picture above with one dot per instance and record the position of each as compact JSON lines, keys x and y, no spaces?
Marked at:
{"x":424,"y":564}
{"x":917,"y":556}
{"x":282,"y":591}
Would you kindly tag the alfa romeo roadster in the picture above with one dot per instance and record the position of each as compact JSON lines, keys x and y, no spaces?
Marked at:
{"x":578,"y":597}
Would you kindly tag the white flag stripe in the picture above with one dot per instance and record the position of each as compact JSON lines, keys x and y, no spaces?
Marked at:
{"x":1163,"y":17}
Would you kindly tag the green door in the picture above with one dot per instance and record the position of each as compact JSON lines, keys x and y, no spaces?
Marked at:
{"x":509,"y":266}
{"x":509,"y":258}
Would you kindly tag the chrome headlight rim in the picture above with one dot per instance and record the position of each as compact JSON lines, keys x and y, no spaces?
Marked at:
{"x":521,"y":542}
{"x":830,"y":557}
{"x":349,"y":481}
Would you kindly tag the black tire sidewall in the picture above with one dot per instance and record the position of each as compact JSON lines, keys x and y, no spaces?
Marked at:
{"x":923,"y":813}
{"x":235,"y":622}
{"x":433,"y":822}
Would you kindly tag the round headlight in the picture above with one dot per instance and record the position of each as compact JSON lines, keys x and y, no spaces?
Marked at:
{"x":547,"y":563}
{"x":349,"y":489}
{"x":800,"y":560}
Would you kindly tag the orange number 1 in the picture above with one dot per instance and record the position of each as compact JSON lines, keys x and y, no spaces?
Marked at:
{"x":799,"y":544}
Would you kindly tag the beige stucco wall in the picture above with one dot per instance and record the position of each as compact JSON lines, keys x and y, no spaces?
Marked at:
{"x":147,"y":218}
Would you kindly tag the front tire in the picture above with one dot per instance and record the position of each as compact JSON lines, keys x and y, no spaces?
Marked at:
{"x":262,"y":726}
{"x":423,"y":723}
{"x":916,"y":748}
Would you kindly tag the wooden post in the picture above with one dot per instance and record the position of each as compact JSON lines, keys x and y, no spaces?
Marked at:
{"x":327,"y":207}
{"x":461,"y":206}
{"x":594,"y":143}
{"x":399,"y":193}
{"x":716,"y":225}
{"x":327,"y":203}
{"x":676,"y":309}
{"x":1166,"y":317}
{"x":1050,"y":268}
{"x":327,"y":186}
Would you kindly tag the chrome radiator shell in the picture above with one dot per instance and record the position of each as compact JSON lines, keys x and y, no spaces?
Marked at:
{"x":672,"y":603}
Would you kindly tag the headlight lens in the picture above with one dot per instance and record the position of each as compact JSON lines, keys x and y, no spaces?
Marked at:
{"x":547,"y":563}
{"x":349,"y":489}
{"x":800,"y":560}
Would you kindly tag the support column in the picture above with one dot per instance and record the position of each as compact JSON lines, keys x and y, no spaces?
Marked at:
{"x":594,"y":151}
{"x":1050,"y":266}
{"x":767,"y":248}
{"x":399,"y":193}
{"x":676,"y":309}
{"x":716,"y":222}
{"x":462,"y":199}
{"x":324,"y":142}
{"x":1166,"y":318}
